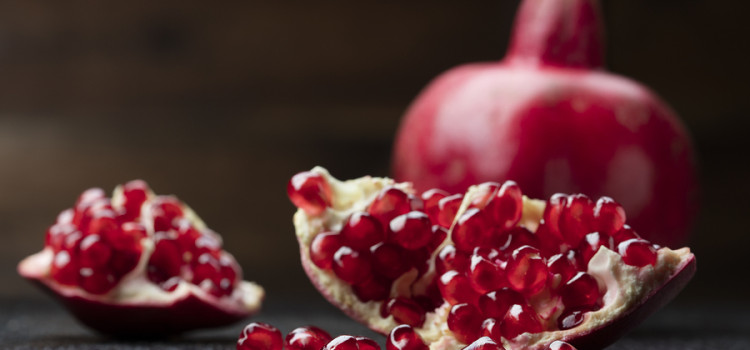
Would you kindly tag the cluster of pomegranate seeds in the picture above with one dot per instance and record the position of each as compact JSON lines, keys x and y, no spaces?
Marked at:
{"x":97,"y":242}
{"x":494,"y":269}
{"x":262,"y":336}
{"x":185,"y":252}
{"x":396,"y":233}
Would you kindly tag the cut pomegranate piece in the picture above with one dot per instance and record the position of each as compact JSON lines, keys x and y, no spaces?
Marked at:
{"x":523,"y":280}
{"x":138,"y":264}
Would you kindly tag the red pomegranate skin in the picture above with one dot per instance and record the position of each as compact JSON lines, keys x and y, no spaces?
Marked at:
{"x":549,"y":117}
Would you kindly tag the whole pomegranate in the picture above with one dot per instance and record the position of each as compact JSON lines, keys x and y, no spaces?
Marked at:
{"x":550,"y":118}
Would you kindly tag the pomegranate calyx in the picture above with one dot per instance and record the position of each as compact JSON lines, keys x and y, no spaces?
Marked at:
{"x":565,"y":33}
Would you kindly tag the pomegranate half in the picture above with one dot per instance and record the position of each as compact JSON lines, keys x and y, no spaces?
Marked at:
{"x":490,"y":262}
{"x":140,"y":264}
{"x":549,"y":117}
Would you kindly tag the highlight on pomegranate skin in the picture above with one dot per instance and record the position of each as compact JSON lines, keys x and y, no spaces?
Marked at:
{"x":519,"y":271}
{"x":140,"y":252}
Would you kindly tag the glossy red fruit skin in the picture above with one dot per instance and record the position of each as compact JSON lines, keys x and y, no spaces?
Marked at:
{"x":306,"y":338}
{"x":550,"y":118}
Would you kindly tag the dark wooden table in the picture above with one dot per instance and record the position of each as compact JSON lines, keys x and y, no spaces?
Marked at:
{"x":41,"y":324}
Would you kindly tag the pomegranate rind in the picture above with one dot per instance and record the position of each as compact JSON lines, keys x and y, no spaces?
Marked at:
{"x":633,"y":293}
{"x":136,"y":307}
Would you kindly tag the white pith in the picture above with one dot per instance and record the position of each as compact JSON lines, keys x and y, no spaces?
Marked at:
{"x":626,"y":286}
{"x":135,"y":288}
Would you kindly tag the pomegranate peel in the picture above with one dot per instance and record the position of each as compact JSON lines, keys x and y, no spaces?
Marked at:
{"x":623,"y":294}
{"x":132,"y":303}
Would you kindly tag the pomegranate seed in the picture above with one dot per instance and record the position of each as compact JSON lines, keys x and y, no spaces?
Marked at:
{"x":484,"y":343}
{"x":342,"y":342}
{"x":65,"y":217}
{"x":590,"y":245}
{"x":128,"y":237}
{"x":389,"y":203}
{"x":166,"y":260}
{"x":505,"y":207}
{"x":171,"y":284}
{"x":430,"y":198}
{"x":307,"y":338}
{"x":96,"y":282}
{"x":323,"y":247}
{"x":412,"y":230}
{"x":625,"y":234}
{"x":450,"y":259}
{"x":72,"y":242}
{"x":388,"y":260}
{"x":485,"y":276}
{"x":361,"y":230}
{"x":260,"y":336}
{"x":134,"y":194}
{"x":364,"y":343}
{"x":552,"y":212}
{"x":491,"y":329}
{"x":520,"y":319}
{"x":89,"y":196}
{"x":416,"y":203}
{"x":350,"y":265}
{"x":580,"y":291}
{"x":496,"y":303}
{"x":439,"y":234}
{"x":94,"y":252}
{"x":570,"y":319}
{"x":576,"y":219}
{"x":637,"y":252}
{"x":526,"y":270}
{"x":465,"y":322}
{"x":230,"y":273}
{"x":515,"y":238}
{"x":124,"y":261}
{"x":564,"y":266}
{"x":103,"y":223}
{"x":472,"y":230}
{"x":447,"y":209}
{"x":485,"y":192}
{"x":374,"y":288}
{"x":404,"y":337}
{"x":206,"y":267}
{"x":456,"y":288}
{"x":56,"y":235}
{"x":406,"y":311}
{"x":64,"y":270}
{"x":164,"y":210}
{"x":610,"y":216}
{"x":549,"y":244}
{"x":560,"y":345}
{"x":310,"y":192}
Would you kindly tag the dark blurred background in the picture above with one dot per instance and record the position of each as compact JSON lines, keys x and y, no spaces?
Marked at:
{"x":222,"y":103}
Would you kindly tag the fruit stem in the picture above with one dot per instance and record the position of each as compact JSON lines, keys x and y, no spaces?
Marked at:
{"x":563,"y":33}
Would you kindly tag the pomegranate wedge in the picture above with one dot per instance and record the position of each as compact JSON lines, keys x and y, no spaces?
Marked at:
{"x":490,"y":262}
{"x":140,"y":265}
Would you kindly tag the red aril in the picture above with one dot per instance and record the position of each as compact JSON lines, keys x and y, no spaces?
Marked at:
{"x":523,"y":286}
{"x":404,"y":337}
{"x":260,"y":336}
{"x":551,"y":118}
{"x":307,"y":338}
{"x":134,"y":264}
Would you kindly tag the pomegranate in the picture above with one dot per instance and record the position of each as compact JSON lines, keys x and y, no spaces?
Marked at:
{"x":520,"y":271}
{"x":140,"y":264}
{"x":549,"y":117}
